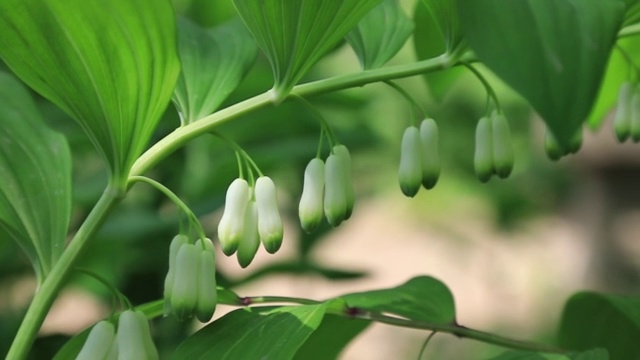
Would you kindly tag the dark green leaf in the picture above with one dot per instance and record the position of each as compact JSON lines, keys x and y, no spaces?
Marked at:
{"x":445,"y":15}
{"x":328,"y":341}
{"x":281,"y":332}
{"x":553,"y":52}
{"x":213,"y":64}
{"x":597,"y":354}
{"x":295,"y":34}
{"x":591,"y":320}
{"x":421,"y":298}
{"x":35,"y":168}
{"x":111,"y":65}
{"x":380,"y":34}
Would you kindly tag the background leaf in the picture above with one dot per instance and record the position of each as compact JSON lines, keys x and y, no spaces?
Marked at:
{"x":445,"y":15}
{"x":295,"y":34}
{"x":113,"y":74}
{"x":214,"y":62}
{"x":553,"y":52}
{"x":380,"y":34}
{"x":597,"y":354}
{"x":612,"y":322}
{"x":35,"y":168}
{"x":333,"y":335}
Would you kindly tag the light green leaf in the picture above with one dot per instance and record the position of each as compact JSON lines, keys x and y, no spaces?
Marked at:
{"x":35,"y":168}
{"x":612,"y":322}
{"x":111,"y":65}
{"x":445,"y":15}
{"x":422,"y":298}
{"x":553,"y":52}
{"x":333,"y":335}
{"x":380,"y":34}
{"x":214,"y":62}
{"x":295,"y":34}
{"x":597,"y":354}
{"x":281,"y":332}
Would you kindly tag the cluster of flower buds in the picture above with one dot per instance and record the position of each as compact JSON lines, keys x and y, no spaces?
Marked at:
{"x":419,"y":158}
{"x":131,"y":341}
{"x":627,"y":120}
{"x":555,"y":151}
{"x":190,"y":285}
{"x":327,"y":190}
{"x":250,"y":216}
{"x":494,"y":151}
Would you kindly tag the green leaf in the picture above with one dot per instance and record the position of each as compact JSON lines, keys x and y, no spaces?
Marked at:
{"x":553,"y":52}
{"x":422,"y":298}
{"x":445,"y":15}
{"x":111,"y":65}
{"x":281,"y":331}
{"x":380,"y":34}
{"x":333,"y":335}
{"x":295,"y":34}
{"x":597,"y":354}
{"x":213,"y":64}
{"x":35,"y":168}
{"x":612,"y":322}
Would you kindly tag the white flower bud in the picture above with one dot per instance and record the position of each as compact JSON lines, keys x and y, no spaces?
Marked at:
{"x":251,"y":240}
{"x":502,"y":146}
{"x":483,"y":158}
{"x":634,"y":128}
{"x":133,"y":337}
{"x":99,"y":342}
{"x":176,"y":243}
{"x":410,"y":169}
{"x":184,"y":294}
{"x":269,"y":221}
{"x":311,"y":208}
{"x":150,"y":347}
{"x":207,"y":293}
{"x":622,"y":121}
{"x":344,"y":156}
{"x":429,"y":140}
{"x":335,"y":193}
{"x":231,"y":225}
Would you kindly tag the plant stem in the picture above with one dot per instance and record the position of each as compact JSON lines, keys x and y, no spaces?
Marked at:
{"x":252,"y":300}
{"x":46,"y":294}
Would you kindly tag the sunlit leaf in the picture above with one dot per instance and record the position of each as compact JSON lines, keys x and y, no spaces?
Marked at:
{"x":35,"y":173}
{"x":111,"y":65}
{"x":445,"y":15}
{"x":591,"y":320}
{"x":421,"y":298}
{"x":597,"y":354}
{"x":333,"y":335}
{"x":380,"y":34}
{"x":553,"y":52}
{"x":295,"y":34}
{"x":214,"y":62}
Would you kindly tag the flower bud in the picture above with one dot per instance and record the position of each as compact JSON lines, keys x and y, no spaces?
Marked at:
{"x":634,"y":128}
{"x":149,"y":346}
{"x":184,"y":295}
{"x":576,"y":142}
{"x":269,"y":221}
{"x":232,"y":223}
{"x":502,"y":147}
{"x":99,"y":342}
{"x":335,"y":193}
{"x":410,"y":169}
{"x":552,"y":147}
{"x":133,"y":337}
{"x":251,"y":241}
{"x":311,"y":208}
{"x":622,"y":120}
{"x":344,"y":156}
{"x":176,"y":243}
{"x":483,"y":158}
{"x":430,"y":153}
{"x":207,"y":294}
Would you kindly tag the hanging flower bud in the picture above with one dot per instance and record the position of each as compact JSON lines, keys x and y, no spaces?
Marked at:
{"x":269,"y":221}
{"x":311,"y":207}
{"x":207,"y":293}
{"x":232,"y":223}
{"x":483,"y":158}
{"x":184,"y":295}
{"x":430,"y":153}
{"x":622,"y":120}
{"x":251,"y":241}
{"x":410,"y":169}
{"x":176,"y":243}
{"x":576,"y":142}
{"x":634,"y":128}
{"x":552,"y":147}
{"x":335,"y":193}
{"x":149,"y":346}
{"x":344,"y":156}
{"x":99,"y":342}
{"x":502,"y":147}
{"x":134,"y":338}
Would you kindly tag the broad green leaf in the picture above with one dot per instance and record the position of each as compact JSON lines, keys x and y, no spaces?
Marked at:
{"x":421,"y":298}
{"x":445,"y":15}
{"x":597,"y":354}
{"x":295,"y":34}
{"x":612,"y":322}
{"x":254,"y":333}
{"x":111,"y":65}
{"x":213,"y":64}
{"x":333,"y":335}
{"x":35,"y":168}
{"x":553,"y":52}
{"x":380,"y":34}
{"x":632,"y":14}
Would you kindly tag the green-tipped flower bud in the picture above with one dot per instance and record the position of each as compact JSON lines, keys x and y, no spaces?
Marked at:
{"x":184,"y":295}
{"x":311,"y":208}
{"x":429,"y":140}
{"x":576,"y":142}
{"x":133,"y":337}
{"x":149,"y":346}
{"x":232,"y":223}
{"x":251,"y":241}
{"x":269,"y":221}
{"x":207,"y":294}
{"x":552,"y":147}
{"x":344,"y":156}
{"x":483,"y":157}
{"x":176,"y":243}
{"x":335,"y":193}
{"x":502,"y":147}
{"x":99,"y":342}
{"x":634,"y":128}
{"x":410,"y":169}
{"x":622,"y":120}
